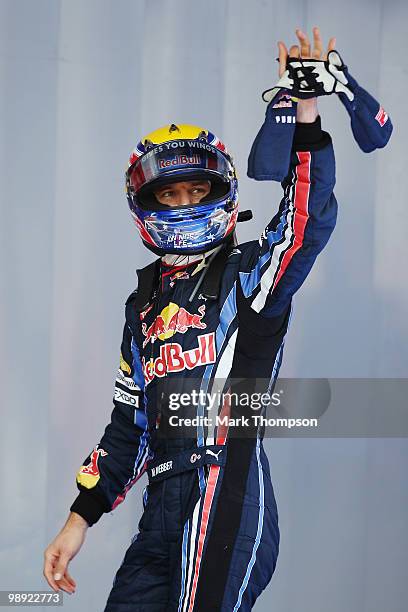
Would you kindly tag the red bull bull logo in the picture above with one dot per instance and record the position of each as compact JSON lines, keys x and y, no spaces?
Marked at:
{"x":88,"y":475}
{"x":173,"y":319}
{"x":181,"y":274}
{"x":172,"y":358}
{"x":284,"y":101}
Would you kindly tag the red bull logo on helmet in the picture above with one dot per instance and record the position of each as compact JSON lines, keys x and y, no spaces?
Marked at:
{"x":172,"y":358}
{"x":180,"y":160}
{"x":173,"y":319}
{"x":88,"y":475}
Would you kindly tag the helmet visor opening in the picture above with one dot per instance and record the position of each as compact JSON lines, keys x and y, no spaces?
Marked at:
{"x":149,"y":196}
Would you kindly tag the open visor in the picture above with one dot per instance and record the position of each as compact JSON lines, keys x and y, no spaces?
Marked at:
{"x":179,"y":160}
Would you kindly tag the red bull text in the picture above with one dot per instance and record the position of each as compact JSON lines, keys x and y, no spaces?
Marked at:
{"x":180,"y":160}
{"x":172,"y":358}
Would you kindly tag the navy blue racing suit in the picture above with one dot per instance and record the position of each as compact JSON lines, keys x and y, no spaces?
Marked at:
{"x":208,"y":538}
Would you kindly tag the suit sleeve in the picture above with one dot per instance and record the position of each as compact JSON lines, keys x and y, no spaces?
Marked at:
{"x":279,"y":263}
{"x":121,"y":456}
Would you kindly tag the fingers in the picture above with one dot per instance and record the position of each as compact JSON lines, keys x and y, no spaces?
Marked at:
{"x":61,"y":567}
{"x":330,"y":47}
{"x":66,"y":585}
{"x":332,"y":44}
{"x":317,"y":44}
{"x":294,"y":51}
{"x":303,"y":49}
{"x":70,"y":580}
{"x":49,"y":560}
{"x":56,"y":573}
{"x":304,"y":43}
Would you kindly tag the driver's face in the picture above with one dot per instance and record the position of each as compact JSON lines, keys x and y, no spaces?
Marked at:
{"x":183,"y":193}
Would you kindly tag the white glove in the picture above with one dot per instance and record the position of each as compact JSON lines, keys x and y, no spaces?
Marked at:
{"x":308,"y":78}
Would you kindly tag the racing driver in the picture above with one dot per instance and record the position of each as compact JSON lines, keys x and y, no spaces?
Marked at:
{"x":208,"y":314}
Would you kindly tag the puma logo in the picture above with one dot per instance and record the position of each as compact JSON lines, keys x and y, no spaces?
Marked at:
{"x":210,"y":452}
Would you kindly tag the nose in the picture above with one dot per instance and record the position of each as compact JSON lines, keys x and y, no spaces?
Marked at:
{"x":183,"y":196}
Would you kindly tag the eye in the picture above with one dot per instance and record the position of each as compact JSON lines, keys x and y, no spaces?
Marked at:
{"x":198,"y":190}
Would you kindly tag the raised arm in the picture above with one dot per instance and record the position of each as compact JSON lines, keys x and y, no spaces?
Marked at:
{"x":275,"y":268}
{"x":301,"y":228}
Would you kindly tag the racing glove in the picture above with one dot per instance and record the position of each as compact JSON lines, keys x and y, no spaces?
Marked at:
{"x":309,"y":78}
{"x":306,"y":78}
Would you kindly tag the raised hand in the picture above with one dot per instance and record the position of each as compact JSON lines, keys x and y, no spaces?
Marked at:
{"x":304,"y":50}
{"x":307,"y":109}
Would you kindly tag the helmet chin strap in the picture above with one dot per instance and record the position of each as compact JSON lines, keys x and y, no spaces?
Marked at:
{"x":172,"y":259}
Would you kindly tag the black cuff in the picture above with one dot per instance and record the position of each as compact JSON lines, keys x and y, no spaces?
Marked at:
{"x":310,"y":136}
{"x":89,"y":507}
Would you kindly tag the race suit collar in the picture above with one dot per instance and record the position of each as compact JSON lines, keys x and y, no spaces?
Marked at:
{"x":181,"y":261}
{"x":149,"y":276}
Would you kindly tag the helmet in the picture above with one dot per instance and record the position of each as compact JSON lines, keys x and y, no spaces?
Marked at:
{"x":182,"y":153}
